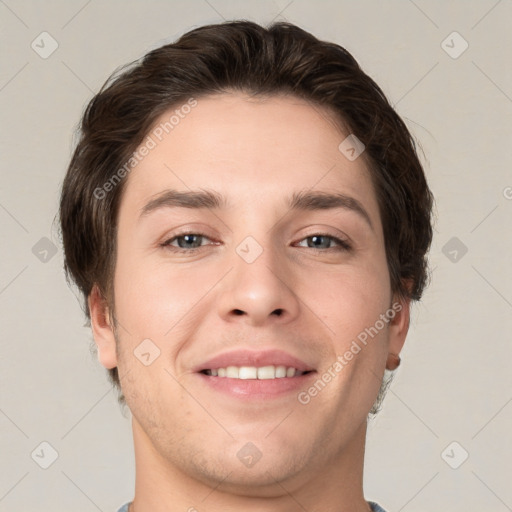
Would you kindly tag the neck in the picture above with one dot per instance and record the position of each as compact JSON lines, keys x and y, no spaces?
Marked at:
{"x":335,"y":485}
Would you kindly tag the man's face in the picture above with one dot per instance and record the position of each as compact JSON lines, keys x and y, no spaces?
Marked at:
{"x":253,"y":277}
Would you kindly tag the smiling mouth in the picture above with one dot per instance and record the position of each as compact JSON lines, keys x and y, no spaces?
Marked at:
{"x":255,"y":373}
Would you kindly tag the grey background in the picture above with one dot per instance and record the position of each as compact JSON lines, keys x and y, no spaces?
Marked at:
{"x":455,"y":382}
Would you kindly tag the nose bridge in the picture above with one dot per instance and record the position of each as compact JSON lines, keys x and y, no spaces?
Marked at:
{"x":258,"y":286}
{"x":259,"y":242}
{"x":258,"y":263}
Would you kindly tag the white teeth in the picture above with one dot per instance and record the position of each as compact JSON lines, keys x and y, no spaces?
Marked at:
{"x":253,"y":372}
{"x":269,"y":372}
{"x":232,"y":372}
{"x":281,"y":371}
{"x":247,"y":372}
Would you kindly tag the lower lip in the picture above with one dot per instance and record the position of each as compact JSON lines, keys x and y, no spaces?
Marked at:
{"x":254,"y":389}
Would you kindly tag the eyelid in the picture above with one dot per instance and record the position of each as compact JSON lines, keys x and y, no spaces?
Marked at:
{"x":330,"y":232}
{"x":168,"y":239}
{"x":343,"y":242}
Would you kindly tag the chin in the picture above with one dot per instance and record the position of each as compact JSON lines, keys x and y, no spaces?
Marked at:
{"x":247,"y":470}
{"x":262,"y":479}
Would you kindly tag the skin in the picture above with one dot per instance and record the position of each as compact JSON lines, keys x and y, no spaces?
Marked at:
{"x":195,"y":305}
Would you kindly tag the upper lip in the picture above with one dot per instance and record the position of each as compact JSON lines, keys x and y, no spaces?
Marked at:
{"x":254,"y":358}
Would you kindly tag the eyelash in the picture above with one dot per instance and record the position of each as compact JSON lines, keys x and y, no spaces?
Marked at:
{"x":343,"y":245}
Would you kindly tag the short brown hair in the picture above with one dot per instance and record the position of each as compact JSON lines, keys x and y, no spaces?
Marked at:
{"x":240,"y":56}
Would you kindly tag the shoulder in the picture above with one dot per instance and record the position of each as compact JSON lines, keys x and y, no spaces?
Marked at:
{"x":374,"y":506}
{"x":124,"y":508}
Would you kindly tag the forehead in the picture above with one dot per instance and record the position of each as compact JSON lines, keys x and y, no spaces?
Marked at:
{"x":248,"y":149}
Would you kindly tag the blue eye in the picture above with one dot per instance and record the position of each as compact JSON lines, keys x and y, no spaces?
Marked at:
{"x":341,"y":244}
{"x":191,"y":242}
{"x":187,"y":239}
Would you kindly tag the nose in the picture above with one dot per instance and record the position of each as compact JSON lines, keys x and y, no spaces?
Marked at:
{"x":260,"y":288}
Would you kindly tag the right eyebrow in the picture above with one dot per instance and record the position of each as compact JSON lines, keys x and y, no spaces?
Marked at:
{"x":184,"y":199}
{"x":301,"y":200}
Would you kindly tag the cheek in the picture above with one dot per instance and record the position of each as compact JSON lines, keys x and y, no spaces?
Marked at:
{"x":153,"y":296}
{"x":354,"y":298}
{"x":354,"y":307}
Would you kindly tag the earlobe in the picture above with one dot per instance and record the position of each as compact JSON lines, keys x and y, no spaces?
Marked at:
{"x":102,"y":329}
{"x":398,"y":329}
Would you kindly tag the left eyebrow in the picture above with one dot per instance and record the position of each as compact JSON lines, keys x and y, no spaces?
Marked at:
{"x":307,"y":200}
{"x":302,"y":200}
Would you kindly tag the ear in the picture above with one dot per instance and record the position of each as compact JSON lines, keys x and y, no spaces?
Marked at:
{"x":101,"y":323}
{"x":399,"y":324}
